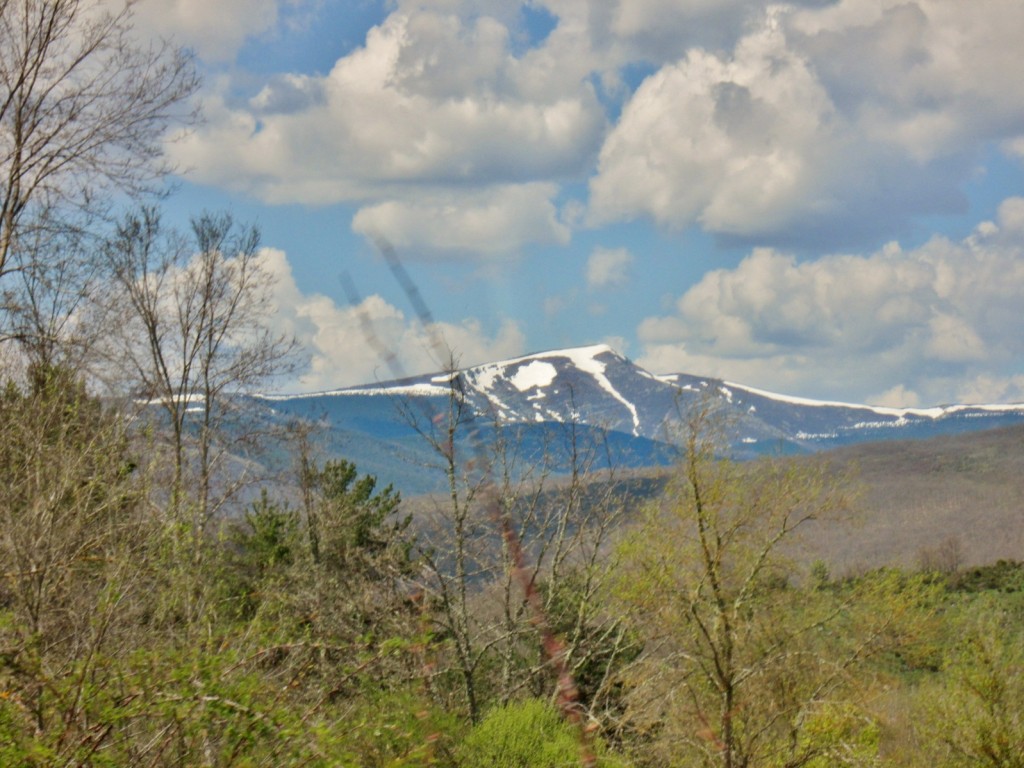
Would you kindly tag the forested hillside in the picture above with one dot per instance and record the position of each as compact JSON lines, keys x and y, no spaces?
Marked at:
{"x":953,"y":502}
{"x":333,"y":632}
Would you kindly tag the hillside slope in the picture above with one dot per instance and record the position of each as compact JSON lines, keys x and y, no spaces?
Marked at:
{"x":959,"y":496}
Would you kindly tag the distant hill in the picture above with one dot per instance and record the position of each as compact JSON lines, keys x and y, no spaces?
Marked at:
{"x":948,"y":501}
{"x":942,"y":484}
{"x":533,"y":400}
{"x":957,"y":497}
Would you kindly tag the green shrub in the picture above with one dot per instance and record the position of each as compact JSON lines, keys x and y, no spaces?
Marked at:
{"x":527,"y":734}
{"x":1003,"y":575}
{"x":389,"y":729}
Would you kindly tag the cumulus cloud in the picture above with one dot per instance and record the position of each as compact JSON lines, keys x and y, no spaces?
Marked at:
{"x":828,"y":123}
{"x":734,"y":144}
{"x":608,"y":267}
{"x":214,"y":30}
{"x":666,"y":29}
{"x":287,"y":94}
{"x":919,"y":323}
{"x":988,"y":388}
{"x":612,"y":33}
{"x":809,"y":126}
{"x":926,"y":74}
{"x":819,"y":123}
{"x":337,"y":353}
{"x":901,"y":397}
{"x":501,"y":220}
{"x":1015,"y":146}
{"x":430,"y":98}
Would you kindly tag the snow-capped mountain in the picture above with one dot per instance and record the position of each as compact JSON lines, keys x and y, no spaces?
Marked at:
{"x":593,"y":385}
{"x":600,"y":392}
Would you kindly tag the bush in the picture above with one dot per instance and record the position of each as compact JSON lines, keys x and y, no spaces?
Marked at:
{"x":1003,"y":575}
{"x":527,"y":734}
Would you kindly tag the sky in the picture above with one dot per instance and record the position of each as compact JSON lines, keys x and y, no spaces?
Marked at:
{"x":823,"y":198}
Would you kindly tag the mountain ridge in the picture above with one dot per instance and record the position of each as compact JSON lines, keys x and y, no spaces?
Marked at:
{"x":415,"y":385}
{"x":596,"y":388}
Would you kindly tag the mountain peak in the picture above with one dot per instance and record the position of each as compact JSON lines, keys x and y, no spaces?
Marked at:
{"x":575,"y":354}
{"x":552,"y":386}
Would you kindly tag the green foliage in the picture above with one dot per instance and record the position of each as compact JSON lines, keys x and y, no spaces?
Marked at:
{"x":896,"y":618}
{"x":736,"y":659}
{"x":601,"y":649}
{"x":310,"y":651}
{"x":68,"y":523}
{"x":259,"y":550}
{"x":231,"y":701}
{"x":527,"y":734}
{"x":1003,"y":575}
{"x":821,"y":578}
{"x":975,"y":716}
{"x":352,"y":524}
{"x":272,"y":536}
{"x":57,"y":437}
{"x":340,"y":484}
{"x":17,"y":743}
{"x":395,"y":729}
{"x":840,"y":734}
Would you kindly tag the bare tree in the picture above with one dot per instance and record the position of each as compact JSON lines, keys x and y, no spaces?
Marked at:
{"x":193,"y":330}
{"x":49,"y":299}
{"x":451,"y":546}
{"x":739,"y":669}
{"x":84,"y":107}
{"x":512,"y":555}
{"x":477,"y":513}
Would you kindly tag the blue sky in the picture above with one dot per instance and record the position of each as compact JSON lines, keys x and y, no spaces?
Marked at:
{"x":824,"y":198}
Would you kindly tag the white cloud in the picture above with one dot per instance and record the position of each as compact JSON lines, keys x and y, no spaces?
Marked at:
{"x":952,"y":339}
{"x":430,"y":98}
{"x":924,"y":321}
{"x":801,"y":123}
{"x":287,"y":94}
{"x":608,"y":267}
{"x":664,"y":29}
{"x":824,"y":124}
{"x":987,"y":388}
{"x":1015,"y":146}
{"x":337,"y":350}
{"x":1011,"y":216}
{"x":793,"y":124}
{"x":734,"y":143}
{"x":215,"y":30}
{"x":927,"y":74}
{"x":901,"y":397}
{"x":501,"y":220}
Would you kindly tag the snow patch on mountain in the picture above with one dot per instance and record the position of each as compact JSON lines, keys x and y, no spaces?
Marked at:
{"x":900,"y":414}
{"x":408,"y":390}
{"x":415,"y":389}
{"x":486,"y":376}
{"x":598,"y":387}
{"x":577,"y":353}
{"x":611,"y":399}
{"x":585,"y":359}
{"x":536,"y":375}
